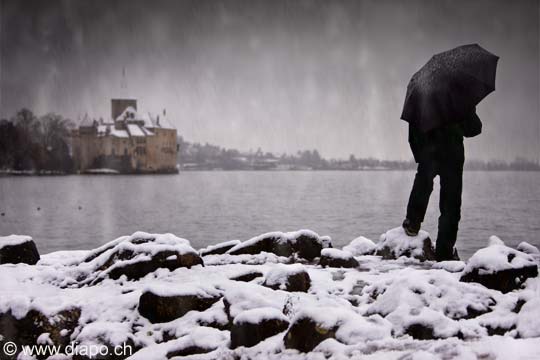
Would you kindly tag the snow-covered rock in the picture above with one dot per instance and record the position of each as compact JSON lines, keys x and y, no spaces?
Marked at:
{"x":361,"y":246}
{"x":453,"y":266}
{"x":200,"y":340}
{"x":15,"y":249}
{"x":396,"y":243}
{"x":306,"y":333}
{"x":253,"y":326}
{"x":28,"y":329}
{"x":219,"y":249}
{"x":336,"y":258}
{"x":288,"y":277}
{"x":384,"y":309}
{"x":106,"y":335}
{"x":428,"y":303}
{"x":326,"y":241}
{"x":136,"y":256}
{"x":305,"y":244}
{"x":495,"y":240}
{"x":314,"y":325}
{"x":247,"y":296}
{"x":528,"y":248}
{"x":165,"y":303}
{"x":275,"y":242}
{"x":528,"y":323}
{"x":247,"y":276}
{"x":500,"y":267}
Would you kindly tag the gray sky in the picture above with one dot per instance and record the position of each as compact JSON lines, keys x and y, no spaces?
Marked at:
{"x":282,"y":75}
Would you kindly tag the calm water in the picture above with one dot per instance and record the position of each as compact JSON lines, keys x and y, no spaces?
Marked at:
{"x":209,"y":207}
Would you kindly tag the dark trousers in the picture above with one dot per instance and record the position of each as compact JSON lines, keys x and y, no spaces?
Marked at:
{"x":445,"y":160}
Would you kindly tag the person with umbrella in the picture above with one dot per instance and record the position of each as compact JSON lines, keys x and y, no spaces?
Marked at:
{"x":440,"y":107}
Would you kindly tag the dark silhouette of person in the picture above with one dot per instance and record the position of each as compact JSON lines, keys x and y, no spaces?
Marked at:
{"x":440,"y":152}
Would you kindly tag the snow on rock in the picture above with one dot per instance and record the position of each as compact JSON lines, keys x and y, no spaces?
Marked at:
{"x":305,"y":244}
{"x":226,"y":309}
{"x":396,"y":243}
{"x":499,"y":267}
{"x":495,"y":240}
{"x":30,"y":328}
{"x":313,"y":325}
{"x":361,"y":246}
{"x":13,"y":240}
{"x":112,"y":335}
{"x":247,"y":276}
{"x":453,"y":266}
{"x":336,"y":258}
{"x":255,"y":316}
{"x":496,"y":258}
{"x":428,"y":303}
{"x":288,"y":277}
{"x":247,"y":296}
{"x":166,"y":303}
{"x":528,"y":323}
{"x":528,"y":248}
{"x":136,"y":256}
{"x":219,"y":249}
{"x":326,"y":241}
{"x":273,"y":242}
{"x":253,"y":326}
{"x":246,"y":259}
{"x":15,"y":249}
{"x":214,"y":317}
{"x":200,"y":340}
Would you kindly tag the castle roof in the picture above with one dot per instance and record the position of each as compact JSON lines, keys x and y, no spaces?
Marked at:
{"x":136,"y":124}
{"x":103,"y":130}
{"x":157,"y":121}
{"x":119,"y":133}
{"x":129,"y":113}
{"x":135,"y":130}
{"x":163,"y":122}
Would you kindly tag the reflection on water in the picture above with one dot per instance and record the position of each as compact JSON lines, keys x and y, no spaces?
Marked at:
{"x":82,"y":212}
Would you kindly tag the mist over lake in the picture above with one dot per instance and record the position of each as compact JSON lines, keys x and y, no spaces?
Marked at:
{"x":83,"y":212}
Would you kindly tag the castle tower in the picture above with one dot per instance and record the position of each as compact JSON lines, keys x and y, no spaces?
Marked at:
{"x":125,"y":100}
{"x":119,"y":105}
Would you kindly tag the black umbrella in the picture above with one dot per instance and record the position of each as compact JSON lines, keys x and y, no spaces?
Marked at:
{"x":449,"y":86}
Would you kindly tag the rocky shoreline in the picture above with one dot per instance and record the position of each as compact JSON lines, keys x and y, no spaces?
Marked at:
{"x":277,"y":295}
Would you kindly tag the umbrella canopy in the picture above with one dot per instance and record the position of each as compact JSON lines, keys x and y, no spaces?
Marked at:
{"x":449,"y":86}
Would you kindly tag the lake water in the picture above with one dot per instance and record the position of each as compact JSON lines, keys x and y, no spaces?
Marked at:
{"x":83,"y":212}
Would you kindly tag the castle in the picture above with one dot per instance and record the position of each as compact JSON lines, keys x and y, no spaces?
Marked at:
{"x":130,"y":142}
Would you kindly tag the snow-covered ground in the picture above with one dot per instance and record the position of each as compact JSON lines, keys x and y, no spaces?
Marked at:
{"x":381,"y":309}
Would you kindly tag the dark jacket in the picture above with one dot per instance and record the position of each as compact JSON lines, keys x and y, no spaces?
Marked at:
{"x":446,"y":138}
{"x":472,"y":126}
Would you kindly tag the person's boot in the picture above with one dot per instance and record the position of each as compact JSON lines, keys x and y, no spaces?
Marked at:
{"x":410,"y":228}
{"x":455,"y":256}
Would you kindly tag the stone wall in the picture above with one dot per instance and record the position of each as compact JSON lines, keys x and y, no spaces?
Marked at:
{"x":162,"y":149}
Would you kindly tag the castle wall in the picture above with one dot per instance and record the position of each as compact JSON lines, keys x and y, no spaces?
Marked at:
{"x":155,"y":153}
{"x":124,"y":145}
{"x":162,"y":149}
